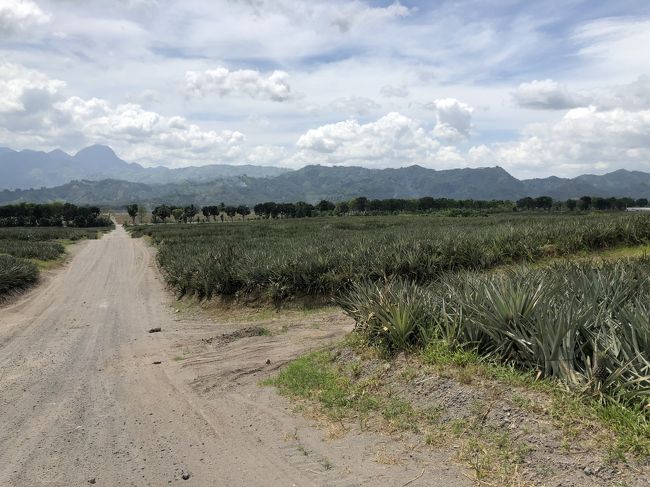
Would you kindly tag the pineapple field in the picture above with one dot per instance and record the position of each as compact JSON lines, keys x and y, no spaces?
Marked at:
{"x":586,"y":323}
{"x":282,"y":260}
{"x":507,"y":287}
{"x":24,"y":249}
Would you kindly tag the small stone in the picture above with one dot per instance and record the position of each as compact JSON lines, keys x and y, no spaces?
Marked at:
{"x":185,"y":475}
{"x":155,"y":330}
{"x":92,"y":481}
{"x":268,"y":361}
{"x":156,"y":362}
{"x":588,"y":471}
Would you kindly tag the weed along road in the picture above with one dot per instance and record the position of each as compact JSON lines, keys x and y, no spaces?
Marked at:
{"x":83,"y":399}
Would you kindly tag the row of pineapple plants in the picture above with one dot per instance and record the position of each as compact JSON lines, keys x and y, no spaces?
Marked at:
{"x":20,"y":247}
{"x":586,"y":324}
{"x":286,"y":259}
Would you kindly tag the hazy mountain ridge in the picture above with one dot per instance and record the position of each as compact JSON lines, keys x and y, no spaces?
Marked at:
{"x":313,"y":183}
{"x":36,"y":169}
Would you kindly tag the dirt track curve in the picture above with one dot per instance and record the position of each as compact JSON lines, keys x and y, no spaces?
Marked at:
{"x":82,"y":403}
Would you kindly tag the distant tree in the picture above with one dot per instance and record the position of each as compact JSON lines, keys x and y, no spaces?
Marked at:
{"x":641,"y":202}
{"x":303,"y":210}
{"x":243,"y":211}
{"x":266,"y":210}
{"x":189,"y":212}
{"x":206,"y":212}
{"x":214,"y":211}
{"x":526,"y":203}
{"x":358,"y":204}
{"x":375,"y":206}
{"x":544,"y":202}
{"x":142,"y":212}
{"x":177,"y":213}
{"x":624,"y":203}
{"x":324,"y":206}
{"x":132,"y":210}
{"x":571,"y":204}
{"x":273,"y":209}
{"x":162,"y":212}
{"x":426,"y":204}
{"x":286,"y":210}
{"x":342,"y":208}
{"x":231,"y":211}
{"x":600,"y":203}
{"x":584,"y":203}
{"x":260,"y":210}
{"x":69,"y":212}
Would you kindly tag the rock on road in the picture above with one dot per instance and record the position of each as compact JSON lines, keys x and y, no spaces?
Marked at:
{"x":82,"y":403}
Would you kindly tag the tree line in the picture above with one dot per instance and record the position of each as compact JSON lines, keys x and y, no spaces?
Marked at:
{"x":52,"y":215}
{"x":366,"y":206}
{"x":584,"y":203}
{"x":187,"y":214}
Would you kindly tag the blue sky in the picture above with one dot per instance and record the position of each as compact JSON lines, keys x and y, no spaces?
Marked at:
{"x":538,"y":88}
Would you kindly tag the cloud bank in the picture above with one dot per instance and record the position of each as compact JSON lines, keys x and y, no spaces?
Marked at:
{"x":354,"y":82}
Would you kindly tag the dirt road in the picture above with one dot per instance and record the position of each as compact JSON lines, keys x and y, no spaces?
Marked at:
{"x":82,"y":402}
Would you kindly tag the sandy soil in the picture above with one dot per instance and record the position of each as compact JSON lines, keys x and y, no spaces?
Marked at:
{"x":83,"y":400}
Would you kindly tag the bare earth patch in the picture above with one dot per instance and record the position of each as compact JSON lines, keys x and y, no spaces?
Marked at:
{"x":507,"y":434}
{"x":226,"y":370}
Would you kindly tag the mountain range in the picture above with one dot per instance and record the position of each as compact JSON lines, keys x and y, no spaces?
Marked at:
{"x":96,"y":175}
{"x":35,"y":169}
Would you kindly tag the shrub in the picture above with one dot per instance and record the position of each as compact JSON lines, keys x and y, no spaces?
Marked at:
{"x":586,"y":324}
{"x":15,"y":274}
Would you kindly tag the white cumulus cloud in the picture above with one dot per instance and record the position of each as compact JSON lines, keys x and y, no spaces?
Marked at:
{"x":454,"y":118}
{"x":248,"y":82}
{"x":26,"y":98}
{"x":148,"y":135}
{"x":547,"y":95}
{"x":631,"y":96}
{"x":18,"y":16}
{"x":35,"y":112}
{"x":21,"y":87}
{"x":394,"y":140}
{"x":583,"y":139}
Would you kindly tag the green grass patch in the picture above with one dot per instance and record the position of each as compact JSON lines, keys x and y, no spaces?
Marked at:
{"x":440,"y":353}
{"x":314,"y":377}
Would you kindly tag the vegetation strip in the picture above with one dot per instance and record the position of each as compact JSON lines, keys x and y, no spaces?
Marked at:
{"x":24,"y":251}
{"x":280,"y":260}
{"x":507,"y":426}
{"x":16,"y":274}
{"x":583,"y":323}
